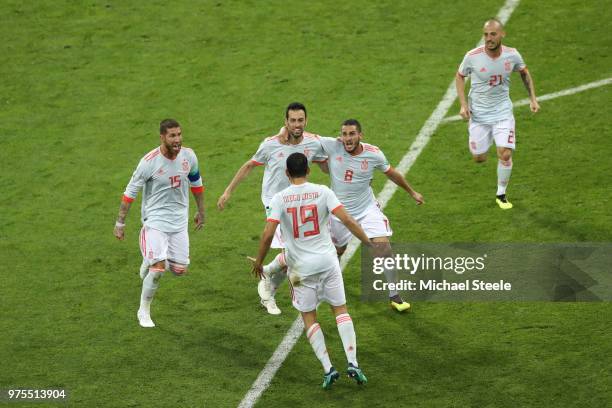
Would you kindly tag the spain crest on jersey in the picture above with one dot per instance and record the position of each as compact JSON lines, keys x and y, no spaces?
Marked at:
{"x":307,"y":152}
{"x":507,"y":65}
{"x":185,"y":165}
{"x":364,"y":165}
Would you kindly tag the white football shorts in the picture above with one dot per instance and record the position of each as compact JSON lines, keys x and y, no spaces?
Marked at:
{"x":482,"y":135}
{"x":156,"y":245}
{"x":372,"y":220}
{"x":321,"y":287}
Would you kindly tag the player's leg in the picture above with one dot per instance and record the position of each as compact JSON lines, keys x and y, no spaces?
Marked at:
{"x":275,"y":273}
{"x":480,"y":140}
{"x":381,"y":248}
{"x":340,"y":235}
{"x":333,"y":293}
{"x":304,"y":299}
{"x":178,"y":252}
{"x":504,"y":135}
{"x":377,"y":227}
{"x":154,"y":246}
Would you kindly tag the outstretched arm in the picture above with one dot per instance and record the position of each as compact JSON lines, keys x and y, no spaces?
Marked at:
{"x":396,"y":177}
{"x":464,"y":112}
{"x":264,"y":247}
{"x":528,"y":82}
{"x":241,"y":174}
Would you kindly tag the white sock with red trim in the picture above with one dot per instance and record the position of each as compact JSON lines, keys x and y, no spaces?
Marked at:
{"x":349,"y":339}
{"x":149,"y":285}
{"x":317,"y":341}
{"x":276,"y":271}
{"x":504,"y":169}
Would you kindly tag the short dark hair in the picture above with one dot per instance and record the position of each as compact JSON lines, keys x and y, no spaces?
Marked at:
{"x":297,"y":165}
{"x":166,"y":124}
{"x":352,"y":122}
{"x":295,"y":106}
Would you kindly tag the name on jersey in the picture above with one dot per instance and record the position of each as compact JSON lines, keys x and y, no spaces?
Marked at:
{"x":299,"y":197}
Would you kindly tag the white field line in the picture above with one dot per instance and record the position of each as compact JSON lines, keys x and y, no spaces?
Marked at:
{"x":293,"y":334}
{"x":566,"y":92}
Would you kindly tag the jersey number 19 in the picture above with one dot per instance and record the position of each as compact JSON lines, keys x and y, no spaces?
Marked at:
{"x":313,"y":218}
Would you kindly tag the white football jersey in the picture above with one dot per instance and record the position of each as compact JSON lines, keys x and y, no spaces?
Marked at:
{"x":351,"y":175}
{"x":303,"y":213}
{"x":489,"y":97}
{"x":273,"y":155}
{"x":165,"y":188}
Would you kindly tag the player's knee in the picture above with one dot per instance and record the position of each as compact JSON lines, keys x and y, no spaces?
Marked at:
{"x":338,"y":310}
{"x":480,"y":158}
{"x":178,"y":269}
{"x":505,"y":155}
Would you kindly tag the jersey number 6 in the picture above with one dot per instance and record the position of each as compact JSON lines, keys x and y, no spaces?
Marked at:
{"x":313,"y":217}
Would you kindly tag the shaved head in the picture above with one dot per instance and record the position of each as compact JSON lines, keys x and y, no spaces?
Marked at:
{"x":493,"y":34}
{"x":496,"y":22}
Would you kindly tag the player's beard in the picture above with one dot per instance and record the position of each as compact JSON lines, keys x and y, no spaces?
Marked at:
{"x":496,"y":45}
{"x":297,"y":133}
{"x":170,"y":147}
{"x":351,"y":148}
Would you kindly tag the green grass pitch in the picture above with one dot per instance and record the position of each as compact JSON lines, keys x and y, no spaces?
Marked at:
{"x":84,"y":85}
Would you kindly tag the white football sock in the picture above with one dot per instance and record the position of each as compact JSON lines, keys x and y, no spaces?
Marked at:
{"x":144,"y":269}
{"x":504,"y":169}
{"x":349,"y":339}
{"x":391,"y":277}
{"x":317,"y":341}
{"x":276,"y":271}
{"x":149,"y":285}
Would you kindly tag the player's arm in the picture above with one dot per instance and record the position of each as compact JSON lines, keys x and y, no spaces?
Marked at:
{"x":464,"y":111}
{"x":264,"y":246}
{"x":397,"y":177}
{"x":131,"y":191}
{"x":200,"y":217}
{"x":240,"y":175}
{"x":352,"y":225}
{"x":528,"y":82}
{"x":323,"y":166}
{"x":124,"y":208}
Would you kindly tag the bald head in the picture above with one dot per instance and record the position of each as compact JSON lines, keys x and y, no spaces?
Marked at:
{"x":493,"y":33}
{"x":494,"y":23}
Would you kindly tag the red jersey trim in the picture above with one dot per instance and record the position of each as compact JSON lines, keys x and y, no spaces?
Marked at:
{"x":152,"y":155}
{"x":272,"y":220}
{"x":335,"y":209}
{"x":476,"y":51}
{"x":256,"y":162}
{"x":126,"y":199}
{"x":197,"y":190}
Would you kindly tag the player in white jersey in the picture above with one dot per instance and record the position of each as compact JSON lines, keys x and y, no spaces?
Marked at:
{"x":303,"y":210}
{"x":272,"y":154}
{"x":489,"y":109}
{"x":351,"y":167}
{"x":165,"y":176}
